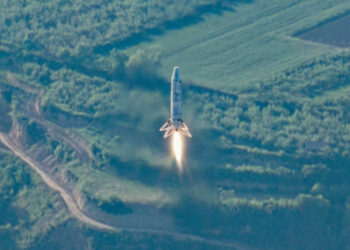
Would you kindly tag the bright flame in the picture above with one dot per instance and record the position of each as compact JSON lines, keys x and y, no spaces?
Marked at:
{"x":177,"y":148}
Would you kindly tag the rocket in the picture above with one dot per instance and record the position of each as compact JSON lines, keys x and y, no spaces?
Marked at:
{"x":175,"y":123}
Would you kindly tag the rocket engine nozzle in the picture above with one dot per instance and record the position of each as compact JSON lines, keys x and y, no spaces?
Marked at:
{"x":170,"y":129}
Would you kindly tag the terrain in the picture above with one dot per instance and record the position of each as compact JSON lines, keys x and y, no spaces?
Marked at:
{"x":85,"y":87}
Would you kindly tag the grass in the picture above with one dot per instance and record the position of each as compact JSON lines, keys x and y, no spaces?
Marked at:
{"x":306,"y":103}
{"x":248,"y":44}
{"x":103,"y":186}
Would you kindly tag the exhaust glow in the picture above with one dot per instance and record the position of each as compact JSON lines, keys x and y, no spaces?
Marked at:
{"x":178,"y":148}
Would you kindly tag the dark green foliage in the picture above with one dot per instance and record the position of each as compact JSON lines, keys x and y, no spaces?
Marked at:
{"x":277,"y":224}
{"x":308,"y":104}
{"x":64,"y":29}
{"x":35,"y":132}
{"x":77,"y":92}
{"x":36,"y":72}
{"x":81,"y":94}
{"x":29,"y":210}
{"x":126,"y":240}
{"x":113,"y":206}
{"x":5,"y":121}
{"x":12,"y":178}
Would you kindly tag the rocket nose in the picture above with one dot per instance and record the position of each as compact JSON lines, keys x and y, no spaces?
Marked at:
{"x":176,"y":74}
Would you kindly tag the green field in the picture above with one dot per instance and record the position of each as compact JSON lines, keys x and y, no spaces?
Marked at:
{"x":249,"y":44}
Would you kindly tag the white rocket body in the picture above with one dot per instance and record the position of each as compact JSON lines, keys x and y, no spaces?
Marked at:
{"x":175,"y":123}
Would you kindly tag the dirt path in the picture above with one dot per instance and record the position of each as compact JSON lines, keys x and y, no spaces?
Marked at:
{"x":11,"y":80}
{"x":34,"y":111}
{"x":72,"y":206}
{"x":68,"y":139}
{"x":86,"y":154}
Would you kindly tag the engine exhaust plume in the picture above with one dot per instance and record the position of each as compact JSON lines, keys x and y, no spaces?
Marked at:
{"x":178,"y":149}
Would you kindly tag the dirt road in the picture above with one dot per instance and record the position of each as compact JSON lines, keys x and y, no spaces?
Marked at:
{"x":72,"y":206}
{"x":84,"y":153}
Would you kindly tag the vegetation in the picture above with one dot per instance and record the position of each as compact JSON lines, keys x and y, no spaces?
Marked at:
{"x":83,"y":88}
{"x":5,"y":122}
{"x":63,"y":30}
{"x":28,"y":209}
{"x":303,"y":105}
{"x":105,"y":188}
{"x":257,"y":215}
{"x":255,"y":43}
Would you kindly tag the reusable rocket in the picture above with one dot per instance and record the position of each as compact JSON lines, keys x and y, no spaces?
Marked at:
{"x":175,"y":123}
